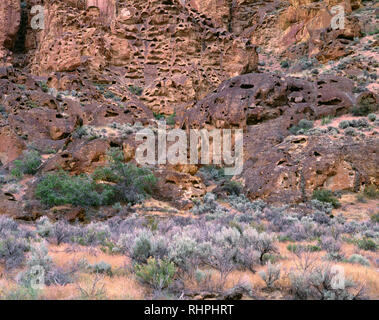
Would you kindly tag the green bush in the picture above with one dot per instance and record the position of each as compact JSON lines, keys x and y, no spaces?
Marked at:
{"x":313,"y":248}
{"x":375,"y":217}
{"x":128,"y":183}
{"x":28,"y":165}
{"x":142,"y":248}
{"x":135,"y":90}
{"x":284,"y":64}
{"x":350,"y":131}
{"x":105,"y":174}
{"x":43,"y":86}
{"x":303,"y":126}
{"x":60,"y":188}
{"x":32,"y":104}
{"x":132,"y":184}
{"x":232,"y":187}
{"x":109,"y":95}
{"x":371,"y":33}
{"x":344,"y":124}
{"x":159,"y":116}
{"x":285,"y":238}
{"x":158,"y":274}
{"x":16,"y":172}
{"x":171,"y":119}
{"x":371,"y":192}
{"x":357,"y":258}
{"x":367,"y":244}
{"x":372,"y":117}
{"x":294,"y":248}
{"x":101,"y":267}
{"x":211,"y":173}
{"x":326,"y":196}
{"x":366,"y":106}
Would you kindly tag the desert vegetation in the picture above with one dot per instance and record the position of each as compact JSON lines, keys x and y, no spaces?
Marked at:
{"x":128,"y":183}
{"x":247,"y":248}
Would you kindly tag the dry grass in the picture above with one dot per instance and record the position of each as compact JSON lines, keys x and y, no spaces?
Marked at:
{"x":119,"y":286}
{"x":368,"y":276}
{"x":112,"y":288}
{"x":63,"y":255}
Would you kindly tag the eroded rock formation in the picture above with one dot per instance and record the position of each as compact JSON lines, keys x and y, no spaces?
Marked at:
{"x":102,"y":69}
{"x":279,"y":166}
{"x":175,"y":55}
{"x":10,"y":17}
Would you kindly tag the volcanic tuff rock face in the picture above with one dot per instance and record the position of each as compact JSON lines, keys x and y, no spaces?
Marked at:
{"x":254,"y":98}
{"x":175,"y":55}
{"x":9,"y":23}
{"x":102,"y":69}
{"x":279,"y":166}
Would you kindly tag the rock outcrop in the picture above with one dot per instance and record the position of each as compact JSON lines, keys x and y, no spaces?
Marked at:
{"x":257,"y":97}
{"x":175,"y":55}
{"x":279,"y":166}
{"x":100,"y":70}
{"x":10,"y":17}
